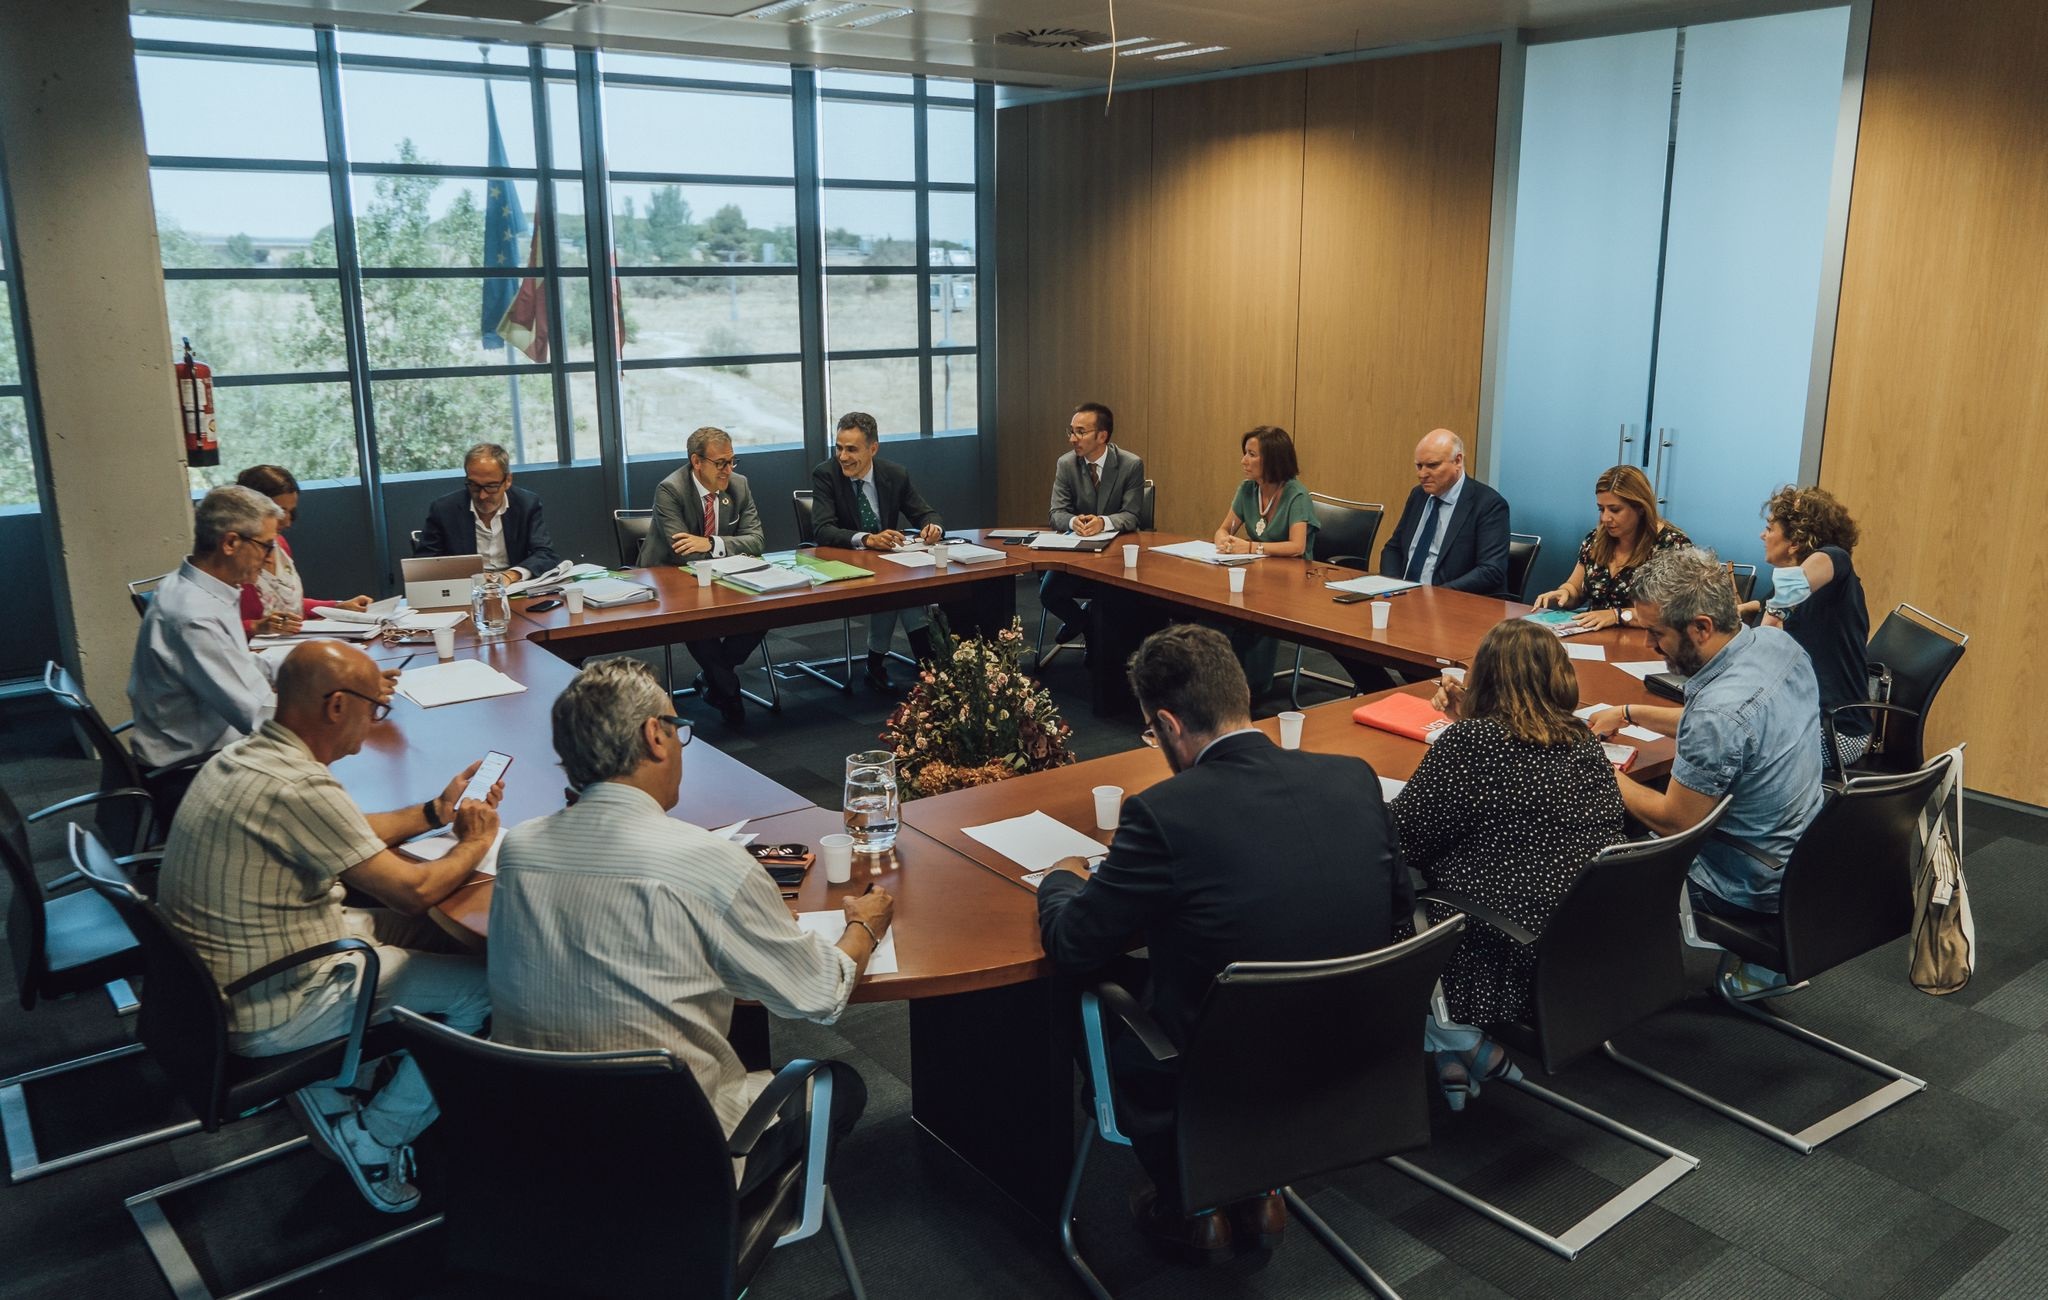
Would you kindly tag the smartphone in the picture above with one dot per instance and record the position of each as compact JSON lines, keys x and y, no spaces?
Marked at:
{"x":542,"y":606}
{"x":1351,"y":597}
{"x":487,"y":775}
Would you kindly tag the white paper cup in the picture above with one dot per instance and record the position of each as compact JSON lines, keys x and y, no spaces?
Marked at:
{"x":1455,"y":674}
{"x":444,"y":642}
{"x":836,"y":852}
{"x":1381,"y":609}
{"x":1109,"y":806}
{"x":1290,"y":730}
{"x":572,"y":595}
{"x":1130,"y":555}
{"x":1237,"y":579}
{"x":942,"y":554}
{"x":703,"y":576}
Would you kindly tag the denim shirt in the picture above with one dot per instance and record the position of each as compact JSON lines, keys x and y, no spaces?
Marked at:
{"x":1751,"y":725}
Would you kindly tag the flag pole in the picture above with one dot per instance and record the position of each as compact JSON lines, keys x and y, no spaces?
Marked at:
{"x":518,"y":420}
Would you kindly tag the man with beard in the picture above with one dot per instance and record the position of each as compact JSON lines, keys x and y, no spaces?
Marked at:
{"x":1750,"y":727}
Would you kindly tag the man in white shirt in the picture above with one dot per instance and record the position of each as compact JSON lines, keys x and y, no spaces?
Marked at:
{"x":615,"y":926}
{"x":490,"y":517}
{"x":194,"y":685}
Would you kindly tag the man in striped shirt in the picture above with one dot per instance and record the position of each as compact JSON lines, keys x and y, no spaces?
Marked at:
{"x":254,"y":871}
{"x":615,"y":926}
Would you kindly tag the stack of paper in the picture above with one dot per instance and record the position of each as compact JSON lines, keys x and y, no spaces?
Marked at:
{"x":763,"y":576}
{"x":729,"y":564}
{"x":562,"y":572}
{"x":969,"y":553}
{"x":603,"y":593}
{"x":1372,"y":584}
{"x":432,"y":848}
{"x":1206,"y":553}
{"x":382,"y":611}
{"x":455,"y":682}
{"x":829,"y":926}
{"x":429,"y":620}
{"x":1035,"y":841}
{"x":314,"y":629}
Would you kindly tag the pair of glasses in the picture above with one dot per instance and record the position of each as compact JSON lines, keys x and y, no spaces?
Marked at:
{"x":379,"y":709}
{"x":721,"y":465}
{"x":268,"y":546}
{"x":675,"y":723}
{"x":485,"y":489}
{"x":1150,"y":737}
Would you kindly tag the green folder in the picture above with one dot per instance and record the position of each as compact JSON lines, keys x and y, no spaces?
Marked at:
{"x":831,"y":570}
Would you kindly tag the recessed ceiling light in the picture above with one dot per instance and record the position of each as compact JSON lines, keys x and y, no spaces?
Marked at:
{"x":836,"y":11}
{"x":1154,"y":49}
{"x":1182,"y":54}
{"x":883,"y":17}
{"x":777,"y":7}
{"x":1114,"y":45}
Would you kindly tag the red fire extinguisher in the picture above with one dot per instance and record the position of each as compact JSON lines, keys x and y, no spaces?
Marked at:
{"x":195,"y":410}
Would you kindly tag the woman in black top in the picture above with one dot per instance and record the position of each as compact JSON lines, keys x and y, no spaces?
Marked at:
{"x":1817,"y":597}
{"x":1506,"y":806}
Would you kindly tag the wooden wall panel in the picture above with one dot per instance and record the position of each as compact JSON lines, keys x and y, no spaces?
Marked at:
{"x":1935,"y":427}
{"x":1396,"y":211}
{"x":1224,"y":283}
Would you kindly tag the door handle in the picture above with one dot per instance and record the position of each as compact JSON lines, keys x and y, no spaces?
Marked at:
{"x":1665,"y":438}
{"x":1621,"y":443}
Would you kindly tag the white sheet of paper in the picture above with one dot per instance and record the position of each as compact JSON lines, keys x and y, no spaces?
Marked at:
{"x":1641,"y":668}
{"x":455,"y":682}
{"x":910,"y":559}
{"x":1055,"y":542}
{"x":1580,"y":650}
{"x":830,"y":925}
{"x":732,"y":831}
{"x":1586,"y":714}
{"x":1035,"y":841}
{"x":969,"y":553}
{"x":430,"y":621}
{"x":1205,"y":553}
{"x":379,"y":611}
{"x":1389,"y":787}
{"x":1371,"y":584}
{"x":431,"y":848}
{"x":1641,"y":733}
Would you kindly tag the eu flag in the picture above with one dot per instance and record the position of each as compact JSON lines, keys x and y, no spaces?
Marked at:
{"x":504,"y":223}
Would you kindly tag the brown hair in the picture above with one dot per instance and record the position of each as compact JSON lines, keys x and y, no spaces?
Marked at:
{"x":271,"y":480}
{"x":1276,"y":453}
{"x":1191,"y":672}
{"x":1633,"y":487}
{"x":1522,"y":679}
{"x":1811,"y":518}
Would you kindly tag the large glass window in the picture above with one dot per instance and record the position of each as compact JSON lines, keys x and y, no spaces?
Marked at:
{"x":17,"y":458}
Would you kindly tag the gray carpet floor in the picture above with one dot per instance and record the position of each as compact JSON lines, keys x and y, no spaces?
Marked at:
{"x":1942,"y":1196}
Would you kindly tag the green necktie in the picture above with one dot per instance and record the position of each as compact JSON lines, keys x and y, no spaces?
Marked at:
{"x":870,"y":522}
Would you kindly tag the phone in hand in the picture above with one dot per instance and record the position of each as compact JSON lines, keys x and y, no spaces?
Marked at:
{"x":487,"y":775}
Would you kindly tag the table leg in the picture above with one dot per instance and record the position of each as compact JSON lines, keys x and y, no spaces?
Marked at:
{"x":992,"y":1080}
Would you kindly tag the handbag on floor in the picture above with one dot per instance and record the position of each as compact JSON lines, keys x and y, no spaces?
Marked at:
{"x":1944,"y":943}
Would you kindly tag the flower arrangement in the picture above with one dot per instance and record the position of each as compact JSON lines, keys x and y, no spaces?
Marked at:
{"x":974,"y":716}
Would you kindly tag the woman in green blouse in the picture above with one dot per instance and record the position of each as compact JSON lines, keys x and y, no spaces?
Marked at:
{"x":1270,"y":515}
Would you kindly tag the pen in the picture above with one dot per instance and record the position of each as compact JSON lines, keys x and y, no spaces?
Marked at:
{"x":869,"y":890}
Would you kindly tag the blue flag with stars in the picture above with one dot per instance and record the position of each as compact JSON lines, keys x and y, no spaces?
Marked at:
{"x":504,"y":224}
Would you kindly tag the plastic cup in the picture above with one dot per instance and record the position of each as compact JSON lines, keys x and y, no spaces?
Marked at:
{"x":1109,"y":806}
{"x":941,"y":554}
{"x":572,"y":595}
{"x":444,"y":642}
{"x":1455,"y":674}
{"x":1290,"y":730}
{"x":1130,"y":555}
{"x":1381,"y":611}
{"x":1236,"y":580}
{"x":703,"y":575}
{"x":836,"y":852}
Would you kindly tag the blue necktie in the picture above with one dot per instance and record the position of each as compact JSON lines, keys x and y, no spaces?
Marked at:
{"x":1425,"y":537}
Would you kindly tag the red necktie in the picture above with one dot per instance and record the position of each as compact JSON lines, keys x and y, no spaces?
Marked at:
{"x":710,"y":514}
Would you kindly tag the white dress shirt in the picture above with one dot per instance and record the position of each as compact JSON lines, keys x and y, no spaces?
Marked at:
{"x":1444,"y":511}
{"x":614,"y":926}
{"x":490,"y":540}
{"x":195,"y":686}
{"x":717,"y":542}
{"x":1097,"y":461}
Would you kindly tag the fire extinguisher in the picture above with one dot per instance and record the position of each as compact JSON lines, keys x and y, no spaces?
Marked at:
{"x":195,"y":410}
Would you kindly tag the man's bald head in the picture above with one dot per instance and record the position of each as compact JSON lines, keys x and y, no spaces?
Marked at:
{"x":327,"y":696}
{"x":1439,"y":461}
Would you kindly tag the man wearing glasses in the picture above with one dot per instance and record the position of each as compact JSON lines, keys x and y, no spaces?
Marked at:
{"x":195,"y":686}
{"x":705,"y":511}
{"x":1095,"y":488}
{"x":489,"y":516}
{"x":255,"y":871}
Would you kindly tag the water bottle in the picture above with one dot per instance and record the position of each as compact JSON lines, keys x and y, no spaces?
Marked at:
{"x":871,"y":800}
{"x":489,"y":606}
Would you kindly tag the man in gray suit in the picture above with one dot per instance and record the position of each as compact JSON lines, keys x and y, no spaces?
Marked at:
{"x":1098,"y":488}
{"x":704,"y":511}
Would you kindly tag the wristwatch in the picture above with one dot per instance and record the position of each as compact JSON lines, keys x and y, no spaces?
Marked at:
{"x":1626,"y":615}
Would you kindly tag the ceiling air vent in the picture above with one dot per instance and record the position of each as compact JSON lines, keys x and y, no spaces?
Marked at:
{"x":1051,"y":38}
{"x":497,"y":11}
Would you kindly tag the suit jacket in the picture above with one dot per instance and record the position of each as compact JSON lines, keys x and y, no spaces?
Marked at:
{"x":451,"y":530}
{"x":1256,"y":853}
{"x":679,"y":508}
{"x":1474,"y":556}
{"x":835,"y":517}
{"x":1118,"y":500}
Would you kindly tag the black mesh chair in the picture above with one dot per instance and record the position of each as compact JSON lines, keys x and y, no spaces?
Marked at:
{"x":64,"y":942}
{"x":1916,"y":652}
{"x":1523,"y":548}
{"x":639,"y":1176}
{"x":184,"y":1026}
{"x":1846,"y":889}
{"x":1345,"y":532}
{"x":807,"y":535}
{"x":1608,"y":958}
{"x":630,"y":529}
{"x":143,"y":590}
{"x":1292,"y":1070}
{"x":152,"y":792}
{"x":1148,"y":506}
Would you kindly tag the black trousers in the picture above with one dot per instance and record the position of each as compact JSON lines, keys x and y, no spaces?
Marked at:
{"x":719,"y":658}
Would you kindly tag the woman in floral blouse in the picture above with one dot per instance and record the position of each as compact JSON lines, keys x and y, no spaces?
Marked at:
{"x":276,"y":602}
{"x":1629,"y":532}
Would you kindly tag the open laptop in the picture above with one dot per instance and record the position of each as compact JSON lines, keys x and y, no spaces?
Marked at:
{"x":438,"y":581}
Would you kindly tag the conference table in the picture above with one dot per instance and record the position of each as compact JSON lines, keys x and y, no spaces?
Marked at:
{"x":992,"y":1025}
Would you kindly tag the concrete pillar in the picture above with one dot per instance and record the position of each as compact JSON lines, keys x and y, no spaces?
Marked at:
{"x":116,"y":501}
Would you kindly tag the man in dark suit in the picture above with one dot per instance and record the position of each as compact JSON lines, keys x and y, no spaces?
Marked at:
{"x":856,"y":499}
{"x":705,"y":511}
{"x":489,"y":517}
{"x":1098,"y":487}
{"x":1249,"y":852}
{"x":1454,"y":529}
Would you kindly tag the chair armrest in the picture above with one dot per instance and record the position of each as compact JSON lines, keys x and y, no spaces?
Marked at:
{"x":87,"y":800}
{"x":1137,"y":1020}
{"x":1720,"y":836}
{"x":1095,"y":1044}
{"x":761,"y":1115}
{"x":146,"y":858}
{"x":1479,"y":911}
{"x":1827,"y":723}
{"x":366,"y":994}
{"x":822,"y":1077}
{"x":118,"y":728}
{"x":192,"y":764}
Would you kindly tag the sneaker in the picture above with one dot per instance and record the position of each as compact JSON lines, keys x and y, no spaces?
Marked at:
{"x":1741,"y":981}
{"x":382,"y":1174}
{"x":319,"y":1124}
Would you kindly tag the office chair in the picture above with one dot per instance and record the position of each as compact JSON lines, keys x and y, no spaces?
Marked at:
{"x":1345,"y":531}
{"x":1915,"y":652}
{"x":807,"y":535}
{"x":151,"y":792}
{"x":1523,"y":548}
{"x":630,"y":529}
{"x":143,"y":590}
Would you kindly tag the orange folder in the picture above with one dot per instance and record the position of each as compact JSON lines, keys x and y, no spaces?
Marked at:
{"x":1404,"y":715}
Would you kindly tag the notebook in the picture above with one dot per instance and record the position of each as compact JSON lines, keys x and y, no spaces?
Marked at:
{"x":1404,"y":715}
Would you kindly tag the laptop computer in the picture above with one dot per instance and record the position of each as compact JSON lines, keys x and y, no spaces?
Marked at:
{"x":438,"y":581}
